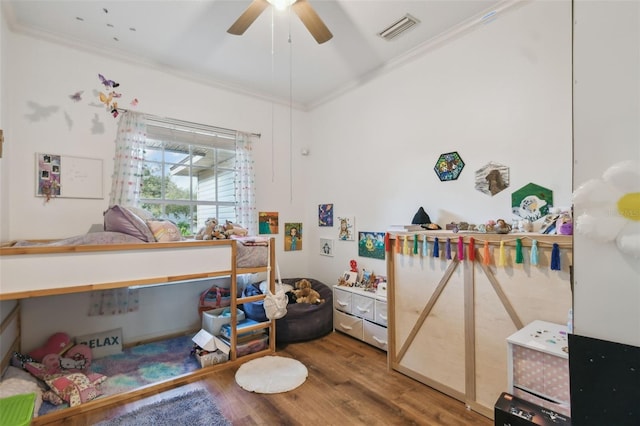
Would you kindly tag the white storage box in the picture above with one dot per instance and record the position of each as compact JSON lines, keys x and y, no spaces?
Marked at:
{"x":213,"y":319}
{"x":210,"y":350}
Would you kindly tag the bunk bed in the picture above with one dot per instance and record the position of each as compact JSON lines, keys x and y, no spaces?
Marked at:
{"x":46,"y":269}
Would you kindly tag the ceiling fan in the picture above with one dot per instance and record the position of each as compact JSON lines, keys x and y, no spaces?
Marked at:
{"x":302,"y":8}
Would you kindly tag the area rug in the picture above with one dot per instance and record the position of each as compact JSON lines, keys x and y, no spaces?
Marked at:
{"x":194,"y":409}
{"x":271,"y":374}
{"x":141,"y":365}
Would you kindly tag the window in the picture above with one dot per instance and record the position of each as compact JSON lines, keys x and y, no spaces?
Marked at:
{"x":188,"y":174}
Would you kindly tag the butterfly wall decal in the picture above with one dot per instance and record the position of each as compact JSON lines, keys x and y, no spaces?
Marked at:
{"x":107,"y":83}
{"x":105,"y":99}
{"x":77,"y":97}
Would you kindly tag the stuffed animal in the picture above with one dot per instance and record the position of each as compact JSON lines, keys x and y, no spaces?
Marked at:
{"x":57,"y":344}
{"x":564,"y":225}
{"x":207,"y":232}
{"x":305,"y":294}
{"x":231,"y":228}
{"x":75,"y":360}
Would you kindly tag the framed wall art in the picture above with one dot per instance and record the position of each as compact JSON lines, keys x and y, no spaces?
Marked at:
{"x":325,"y":215}
{"x":293,"y":236}
{"x":346,"y":228}
{"x":531,"y":202}
{"x":371,"y":244}
{"x":492,"y":178}
{"x":449,"y":166}
{"x":268,"y":222}
{"x":326,"y":247}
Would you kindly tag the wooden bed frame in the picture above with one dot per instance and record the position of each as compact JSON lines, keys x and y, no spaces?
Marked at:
{"x":38,"y":271}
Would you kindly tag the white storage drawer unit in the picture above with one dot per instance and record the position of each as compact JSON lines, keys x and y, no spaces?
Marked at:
{"x":538,"y":365}
{"x":360,"y":314}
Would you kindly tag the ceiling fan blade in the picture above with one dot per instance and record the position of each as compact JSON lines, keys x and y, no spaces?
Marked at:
{"x":248,"y":16}
{"x":312,"y":21}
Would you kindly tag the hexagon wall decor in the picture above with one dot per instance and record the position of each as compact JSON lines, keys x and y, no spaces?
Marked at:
{"x":531,"y":202}
{"x":492,"y":178}
{"x":449,"y":166}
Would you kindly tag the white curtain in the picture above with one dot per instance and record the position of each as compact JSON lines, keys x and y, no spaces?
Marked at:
{"x":125,"y":190}
{"x":246,"y":214}
{"x":127,"y":172}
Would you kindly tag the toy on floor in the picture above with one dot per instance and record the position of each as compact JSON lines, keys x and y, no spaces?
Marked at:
{"x":305,"y":294}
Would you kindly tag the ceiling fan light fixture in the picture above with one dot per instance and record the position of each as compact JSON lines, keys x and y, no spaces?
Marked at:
{"x":398,"y":27}
{"x":281,"y":4}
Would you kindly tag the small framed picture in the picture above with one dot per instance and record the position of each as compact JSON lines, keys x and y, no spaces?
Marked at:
{"x":346,"y":231}
{"x":326,"y":247}
{"x":325,"y":215}
{"x":350,"y":278}
{"x":371,"y":244}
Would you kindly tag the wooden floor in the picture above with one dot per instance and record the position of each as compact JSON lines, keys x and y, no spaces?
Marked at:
{"x":348,"y":384}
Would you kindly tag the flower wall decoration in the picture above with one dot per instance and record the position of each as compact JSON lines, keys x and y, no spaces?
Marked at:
{"x":609,"y":207}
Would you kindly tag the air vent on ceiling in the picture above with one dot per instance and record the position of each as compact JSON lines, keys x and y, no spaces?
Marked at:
{"x":398,"y":27}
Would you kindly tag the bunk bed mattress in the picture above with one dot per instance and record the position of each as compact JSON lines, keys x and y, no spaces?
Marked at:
{"x":82,"y":261}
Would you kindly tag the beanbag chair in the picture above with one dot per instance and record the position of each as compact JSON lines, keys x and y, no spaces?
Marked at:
{"x":303,"y":321}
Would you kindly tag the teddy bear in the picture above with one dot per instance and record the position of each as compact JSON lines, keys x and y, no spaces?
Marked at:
{"x":231,"y":228}
{"x":207,"y":232}
{"x":305,"y":294}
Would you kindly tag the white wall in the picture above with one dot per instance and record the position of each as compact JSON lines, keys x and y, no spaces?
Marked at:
{"x":607,"y":131}
{"x":501,"y":92}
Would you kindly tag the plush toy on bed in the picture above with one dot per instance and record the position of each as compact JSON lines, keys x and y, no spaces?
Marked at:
{"x":57,"y":343}
{"x":60,"y":353}
{"x":207,"y":232}
{"x":231,"y":228}
{"x":305,"y":294}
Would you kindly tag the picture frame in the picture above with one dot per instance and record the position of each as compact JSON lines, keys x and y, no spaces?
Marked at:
{"x":326,"y":247}
{"x":47,"y":182}
{"x":371,"y":244}
{"x":492,"y":178}
{"x":531,"y":202}
{"x":346,"y":228}
{"x":350,"y":278}
{"x":449,"y":166}
{"x":268,"y":222}
{"x":293,"y":236}
{"x":325,"y":214}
